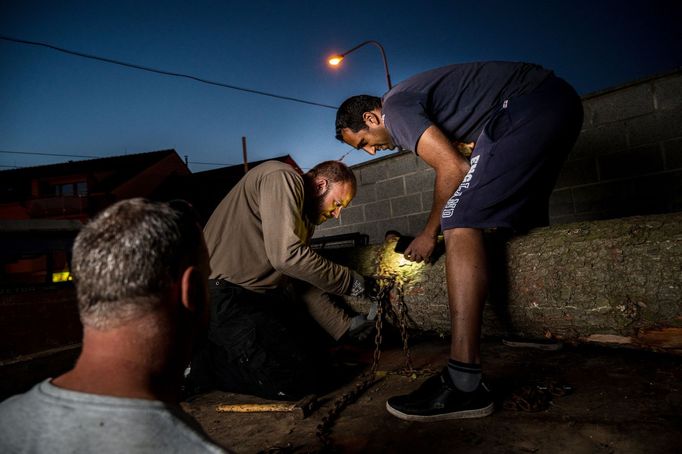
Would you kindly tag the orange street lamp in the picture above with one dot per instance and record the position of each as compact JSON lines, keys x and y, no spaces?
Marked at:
{"x":335,"y":60}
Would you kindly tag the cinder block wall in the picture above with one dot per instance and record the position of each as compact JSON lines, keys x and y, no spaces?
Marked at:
{"x":627,"y":161}
{"x":628,"y":158}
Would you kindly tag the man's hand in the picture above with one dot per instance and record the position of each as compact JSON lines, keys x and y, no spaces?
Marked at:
{"x":465,"y":149}
{"x":421,"y":248}
{"x":435,"y":149}
{"x":360,"y":328}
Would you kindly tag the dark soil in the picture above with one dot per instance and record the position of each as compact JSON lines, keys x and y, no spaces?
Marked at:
{"x":620,"y":401}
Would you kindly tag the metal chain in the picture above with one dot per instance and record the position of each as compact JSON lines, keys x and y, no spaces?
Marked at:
{"x":538,"y":397}
{"x":324,"y":428}
{"x":366,"y":380}
{"x":378,"y":337}
{"x":402,"y":317}
{"x":382,"y":296}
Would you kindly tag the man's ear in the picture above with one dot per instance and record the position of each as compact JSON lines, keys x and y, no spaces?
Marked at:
{"x":371,"y":118}
{"x":193,"y":290}
{"x":321,"y":185}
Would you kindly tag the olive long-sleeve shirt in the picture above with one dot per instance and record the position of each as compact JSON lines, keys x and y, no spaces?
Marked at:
{"x":259,"y":234}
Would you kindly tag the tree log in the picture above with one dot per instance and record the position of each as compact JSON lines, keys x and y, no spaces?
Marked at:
{"x":613,"y":282}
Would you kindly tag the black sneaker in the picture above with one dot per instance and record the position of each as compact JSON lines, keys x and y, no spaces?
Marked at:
{"x":437,"y":399}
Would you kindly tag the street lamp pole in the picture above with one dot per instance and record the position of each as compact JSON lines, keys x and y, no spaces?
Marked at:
{"x":336,"y":59}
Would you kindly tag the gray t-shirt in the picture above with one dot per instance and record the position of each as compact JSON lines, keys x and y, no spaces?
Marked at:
{"x":55,"y":420}
{"x":459,"y":99}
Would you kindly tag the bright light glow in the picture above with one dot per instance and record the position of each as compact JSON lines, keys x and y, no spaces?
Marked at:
{"x":403,"y":261}
{"x":335,"y":60}
{"x":394,"y":262}
{"x":63,"y":276}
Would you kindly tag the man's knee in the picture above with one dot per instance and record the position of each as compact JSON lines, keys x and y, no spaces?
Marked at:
{"x":459,"y":234}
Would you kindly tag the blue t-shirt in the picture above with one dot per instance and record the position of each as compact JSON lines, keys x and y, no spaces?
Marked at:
{"x":459,"y":99}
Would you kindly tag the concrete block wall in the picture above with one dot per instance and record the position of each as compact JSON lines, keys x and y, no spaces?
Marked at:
{"x":628,"y":158}
{"x":394,"y":193}
{"x":627,"y":161}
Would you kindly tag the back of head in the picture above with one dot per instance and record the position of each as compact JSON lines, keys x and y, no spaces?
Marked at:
{"x":335,"y":172}
{"x":350,"y":113}
{"x":128,"y":256}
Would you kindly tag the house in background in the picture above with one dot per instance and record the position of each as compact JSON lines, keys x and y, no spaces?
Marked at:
{"x":205,"y":190}
{"x":32,"y":199}
{"x":35,"y":247}
{"x":79,"y":189}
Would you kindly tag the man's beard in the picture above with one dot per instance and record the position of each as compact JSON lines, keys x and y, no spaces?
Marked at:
{"x":318,"y":208}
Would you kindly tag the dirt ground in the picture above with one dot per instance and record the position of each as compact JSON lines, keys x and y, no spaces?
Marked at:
{"x":619,"y":401}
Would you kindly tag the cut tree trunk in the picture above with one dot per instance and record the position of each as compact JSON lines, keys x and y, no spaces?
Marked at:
{"x":614,"y":282}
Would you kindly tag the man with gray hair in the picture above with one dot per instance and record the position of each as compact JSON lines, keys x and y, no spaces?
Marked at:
{"x":140,"y":270}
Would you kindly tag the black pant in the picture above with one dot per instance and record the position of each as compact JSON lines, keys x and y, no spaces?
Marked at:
{"x":260,"y":344}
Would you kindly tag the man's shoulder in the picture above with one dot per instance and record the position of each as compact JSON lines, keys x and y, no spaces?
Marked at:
{"x":15,"y":403}
{"x":444,"y":75}
{"x":275,"y":166}
{"x":81,"y":417}
{"x":276,"y":173}
{"x":423,"y":81}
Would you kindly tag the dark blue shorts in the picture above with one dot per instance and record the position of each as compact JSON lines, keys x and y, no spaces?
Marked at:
{"x":516,"y":161}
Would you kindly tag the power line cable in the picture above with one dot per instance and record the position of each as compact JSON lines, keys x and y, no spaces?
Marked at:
{"x":50,"y":154}
{"x":161,"y":71}
{"x":217,"y":164}
{"x":211,"y":163}
{"x":157,"y":71}
{"x":96,"y":157}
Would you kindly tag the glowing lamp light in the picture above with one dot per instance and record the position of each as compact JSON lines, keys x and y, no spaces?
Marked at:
{"x":335,"y":60}
{"x":62,"y":276}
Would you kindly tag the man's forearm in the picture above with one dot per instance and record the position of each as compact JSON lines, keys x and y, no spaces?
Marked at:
{"x":302,"y":263}
{"x":444,"y":187}
{"x":450,"y":166}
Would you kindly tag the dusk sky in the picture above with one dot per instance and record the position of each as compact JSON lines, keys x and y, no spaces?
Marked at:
{"x":54,"y":103}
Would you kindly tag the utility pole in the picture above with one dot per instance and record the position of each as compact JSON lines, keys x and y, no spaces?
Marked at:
{"x":246,"y":161}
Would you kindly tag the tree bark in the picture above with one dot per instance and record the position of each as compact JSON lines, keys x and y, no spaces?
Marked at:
{"x":614,"y":282}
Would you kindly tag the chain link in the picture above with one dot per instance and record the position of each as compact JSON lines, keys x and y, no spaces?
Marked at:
{"x":385,"y":284}
{"x":387,"y":281}
{"x":366,"y":380}
{"x":378,"y":325}
{"x":402,"y":317}
{"x":532,"y":398}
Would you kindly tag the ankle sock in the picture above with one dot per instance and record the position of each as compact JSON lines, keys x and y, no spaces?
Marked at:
{"x":465,"y":376}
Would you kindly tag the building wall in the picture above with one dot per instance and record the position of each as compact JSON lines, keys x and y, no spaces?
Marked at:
{"x":627,"y":161}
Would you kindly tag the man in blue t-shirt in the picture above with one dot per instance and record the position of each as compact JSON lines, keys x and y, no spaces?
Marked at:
{"x":523,"y":121}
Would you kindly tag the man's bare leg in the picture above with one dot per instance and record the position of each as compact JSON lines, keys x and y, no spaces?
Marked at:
{"x":467,"y":279}
{"x":458,"y":391}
